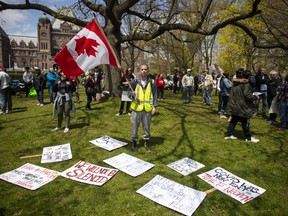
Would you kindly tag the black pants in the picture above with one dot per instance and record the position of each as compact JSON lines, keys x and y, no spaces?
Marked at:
{"x":245,"y":126}
{"x":128,"y":103}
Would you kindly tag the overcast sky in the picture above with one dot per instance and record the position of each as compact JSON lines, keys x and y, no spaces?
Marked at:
{"x":24,"y":22}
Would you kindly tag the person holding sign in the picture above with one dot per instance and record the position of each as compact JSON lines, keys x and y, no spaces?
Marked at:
{"x":143,"y":93}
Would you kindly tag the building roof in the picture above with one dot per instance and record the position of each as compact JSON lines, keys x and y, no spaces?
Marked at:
{"x":3,"y":33}
{"x":56,"y":23}
{"x":26,"y":39}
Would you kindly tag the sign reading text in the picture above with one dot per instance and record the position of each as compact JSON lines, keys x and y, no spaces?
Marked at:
{"x":185,"y":166}
{"x":172,"y":195}
{"x":56,"y":153}
{"x":129,"y":164}
{"x":232,"y":185}
{"x":89,"y":173}
{"x":108,"y":143}
{"x":30,"y":176}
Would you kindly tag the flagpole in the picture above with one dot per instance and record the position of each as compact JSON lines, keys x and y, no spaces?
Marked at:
{"x":112,"y":50}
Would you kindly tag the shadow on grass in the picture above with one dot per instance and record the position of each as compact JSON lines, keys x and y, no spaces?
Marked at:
{"x":19,"y":109}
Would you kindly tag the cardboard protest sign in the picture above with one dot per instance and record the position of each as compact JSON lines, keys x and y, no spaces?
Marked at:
{"x":108,"y":143}
{"x":185,"y":166}
{"x":232,"y":185}
{"x":173,"y":195}
{"x":56,"y":153}
{"x":89,"y":173}
{"x":30,"y":176}
{"x":129,"y":164}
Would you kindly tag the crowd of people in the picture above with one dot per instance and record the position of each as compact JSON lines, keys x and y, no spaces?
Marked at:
{"x":239,"y":95}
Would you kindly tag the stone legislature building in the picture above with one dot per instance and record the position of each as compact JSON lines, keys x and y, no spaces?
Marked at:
{"x":21,"y":51}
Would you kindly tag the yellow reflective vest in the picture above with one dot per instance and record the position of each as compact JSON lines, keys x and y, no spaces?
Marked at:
{"x":143,"y":98}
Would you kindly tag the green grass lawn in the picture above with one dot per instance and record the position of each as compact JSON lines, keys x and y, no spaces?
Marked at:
{"x":177,"y":131}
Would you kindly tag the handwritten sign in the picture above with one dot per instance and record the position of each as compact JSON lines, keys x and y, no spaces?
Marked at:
{"x":108,"y":143}
{"x":232,"y":185}
{"x":129,"y":164}
{"x":185,"y":166}
{"x":56,"y":153}
{"x":30,"y":176}
{"x":173,"y":195}
{"x":89,"y":173}
{"x":124,"y":96}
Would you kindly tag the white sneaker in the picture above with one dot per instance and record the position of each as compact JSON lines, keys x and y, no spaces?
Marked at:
{"x":230,"y":137}
{"x":66,"y":130}
{"x":41,"y":105}
{"x":254,"y":140}
{"x":38,"y":104}
{"x":223,"y":116}
{"x":118,"y":114}
{"x":55,"y":129}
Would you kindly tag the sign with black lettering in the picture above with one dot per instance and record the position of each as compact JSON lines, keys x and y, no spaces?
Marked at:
{"x":185,"y":166}
{"x":30,"y":176}
{"x":173,"y":195}
{"x":89,"y":173}
{"x":232,"y":185}
{"x":131,"y":165}
{"x":108,"y":143}
{"x":56,"y":153}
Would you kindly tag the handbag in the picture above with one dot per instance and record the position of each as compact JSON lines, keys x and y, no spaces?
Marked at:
{"x":89,"y":91}
{"x":32,"y":92}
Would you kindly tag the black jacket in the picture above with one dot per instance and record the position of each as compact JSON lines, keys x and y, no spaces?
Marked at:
{"x":241,"y":99}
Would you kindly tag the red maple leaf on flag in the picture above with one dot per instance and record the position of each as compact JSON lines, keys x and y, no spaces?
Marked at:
{"x":87,"y":44}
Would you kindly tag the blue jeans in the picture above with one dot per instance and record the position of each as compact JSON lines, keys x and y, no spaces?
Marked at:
{"x":40,"y":96}
{"x":189,"y":90}
{"x":264,"y":102}
{"x":207,"y":94}
{"x":283,"y":112}
{"x":6,"y":99}
{"x":50,"y":91}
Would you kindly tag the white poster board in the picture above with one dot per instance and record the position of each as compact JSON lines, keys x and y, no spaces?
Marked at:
{"x":232,"y":185}
{"x":56,"y":153}
{"x":185,"y":166}
{"x":89,"y":173}
{"x":173,"y":195}
{"x":124,"y":96}
{"x":131,"y":165}
{"x":29,"y":176}
{"x":108,"y":143}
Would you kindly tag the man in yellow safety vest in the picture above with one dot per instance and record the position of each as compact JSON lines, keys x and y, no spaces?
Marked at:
{"x":143,"y":93}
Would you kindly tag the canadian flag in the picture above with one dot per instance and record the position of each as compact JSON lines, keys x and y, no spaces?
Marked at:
{"x":87,"y":49}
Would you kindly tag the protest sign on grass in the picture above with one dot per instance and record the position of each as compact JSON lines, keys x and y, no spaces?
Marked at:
{"x":173,"y":195}
{"x":185,"y":166}
{"x":30,"y":176}
{"x":108,"y":143}
{"x":232,"y":185}
{"x":56,"y":153}
{"x":131,"y":165}
{"x":89,"y":173}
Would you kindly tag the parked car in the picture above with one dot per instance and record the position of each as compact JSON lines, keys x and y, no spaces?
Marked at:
{"x":17,"y":86}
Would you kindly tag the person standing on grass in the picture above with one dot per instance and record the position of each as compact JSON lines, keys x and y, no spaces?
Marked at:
{"x":188,"y":85}
{"x":283,"y":104}
{"x":274,"y":83}
{"x":52,"y":77}
{"x":143,"y":105}
{"x":39,"y":81}
{"x":207,"y":89}
{"x":90,"y":89}
{"x":28,"y":80}
{"x":160,"y":86}
{"x":5,"y":92}
{"x":241,"y":105}
{"x":124,"y":85}
{"x":63,"y":101}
